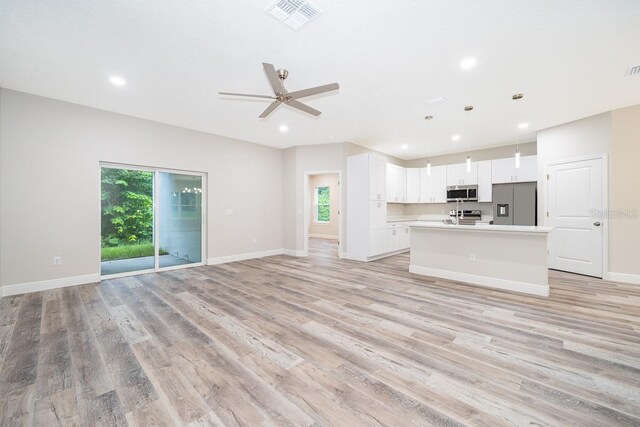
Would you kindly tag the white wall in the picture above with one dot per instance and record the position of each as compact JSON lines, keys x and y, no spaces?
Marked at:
{"x":50,"y":184}
{"x":585,"y":137}
{"x":624,"y":228}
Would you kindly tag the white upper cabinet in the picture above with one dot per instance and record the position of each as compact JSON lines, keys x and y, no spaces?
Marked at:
{"x":433,"y":187}
{"x":485,"y":183}
{"x":457,"y":174}
{"x":528,"y":170}
{"x":413,"y":185}
{"x":377,"y":179}
{"x":504,"y":170}
{"x":396,"y":184}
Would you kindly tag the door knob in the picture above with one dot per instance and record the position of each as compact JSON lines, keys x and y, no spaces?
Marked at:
{"x":597,"y":224}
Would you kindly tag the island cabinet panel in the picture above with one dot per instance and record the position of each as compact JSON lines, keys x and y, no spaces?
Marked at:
{"x":433,"y":186}
{"x":457,"y":174}
{"x":413,"y":185}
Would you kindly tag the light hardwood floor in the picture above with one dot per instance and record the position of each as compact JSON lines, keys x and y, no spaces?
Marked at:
{"x":319,"y":341}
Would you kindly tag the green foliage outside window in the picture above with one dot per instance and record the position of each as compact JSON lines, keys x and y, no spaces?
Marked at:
{"x":323,"y":210}
{"x":127,"y":207}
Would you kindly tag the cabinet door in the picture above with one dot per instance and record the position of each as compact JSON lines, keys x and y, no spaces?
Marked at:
{"x":455,"y":174}
{"x":413,"y":185}
{"x":425,"y":179}
{"x":470,"y":177}
{"x":392,"y":239}
{"x":503,"y":170}
{"x":402,"y":184}
{"x":377,"y":179}
{"x":439,"y":185}
{"x":405,"y":240}
{"x":485,"y":186}
{"x":391,"y":182}
{"x":377,"y":214}
{"x":528,"y":170}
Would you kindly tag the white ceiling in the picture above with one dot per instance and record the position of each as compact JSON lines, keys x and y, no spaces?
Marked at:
{"x":568,"y":57}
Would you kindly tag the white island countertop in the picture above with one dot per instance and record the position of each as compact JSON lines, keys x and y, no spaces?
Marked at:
{"x":482,"y":227}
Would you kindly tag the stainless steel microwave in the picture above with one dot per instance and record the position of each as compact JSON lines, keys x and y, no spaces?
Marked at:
{"x":466,"y":193}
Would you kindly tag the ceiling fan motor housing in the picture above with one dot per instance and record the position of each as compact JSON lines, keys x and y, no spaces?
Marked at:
{"x":282,"y":73}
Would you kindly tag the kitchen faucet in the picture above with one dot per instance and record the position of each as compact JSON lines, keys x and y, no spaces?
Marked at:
{"x":461,"y":216}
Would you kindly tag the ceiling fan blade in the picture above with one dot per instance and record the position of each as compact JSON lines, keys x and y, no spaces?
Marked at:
{"x":313,"y":91}
{"x":269,"y":109}
{"x":247,"y":94}
{"x":304,"y":107}
{"x":272,"y":75}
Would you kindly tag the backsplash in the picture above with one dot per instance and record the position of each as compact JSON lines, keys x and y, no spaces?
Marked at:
{"x":434,"y":211}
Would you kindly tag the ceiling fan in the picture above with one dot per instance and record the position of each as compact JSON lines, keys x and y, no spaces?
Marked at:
{"x":276,"y":79}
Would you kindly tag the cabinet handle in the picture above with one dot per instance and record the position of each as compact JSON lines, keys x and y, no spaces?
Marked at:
{"x":379,"y":204}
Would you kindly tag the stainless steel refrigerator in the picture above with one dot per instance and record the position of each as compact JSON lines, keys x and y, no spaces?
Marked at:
{"x":515,"y":204}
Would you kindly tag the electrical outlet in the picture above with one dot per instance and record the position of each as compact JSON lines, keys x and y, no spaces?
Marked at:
{"x":57,"y":260}
{"x":472,"y":258}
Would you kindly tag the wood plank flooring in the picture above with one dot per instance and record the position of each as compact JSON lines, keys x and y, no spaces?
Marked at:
{"x":319,"y":341}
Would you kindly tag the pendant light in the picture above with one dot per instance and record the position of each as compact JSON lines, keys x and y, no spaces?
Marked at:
{"x":468,"y":108}
{"x":517,"y":151}
{"x":517,"y":97}
{"x":428,"y":161}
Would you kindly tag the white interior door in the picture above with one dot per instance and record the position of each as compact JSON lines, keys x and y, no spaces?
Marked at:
{"x":574,"y":193}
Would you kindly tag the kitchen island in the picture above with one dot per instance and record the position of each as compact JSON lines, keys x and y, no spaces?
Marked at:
{"x":508,"y":257}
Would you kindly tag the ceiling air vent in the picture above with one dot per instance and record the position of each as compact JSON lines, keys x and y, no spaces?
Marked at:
{"x":294,"y":13}
{"x":633,"y":71}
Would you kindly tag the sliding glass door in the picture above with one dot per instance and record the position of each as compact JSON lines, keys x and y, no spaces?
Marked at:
{"x":180,"y":219}
{"x":152,"y":219}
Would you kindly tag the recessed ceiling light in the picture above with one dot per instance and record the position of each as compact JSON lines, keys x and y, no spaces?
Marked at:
{"x":468,"y":108}
{"x":523,"y":125}
{"x":468,"y":63}
{"x":438,"y":100}
{"x":456,"y":137}
{"x":405,"y":147}
{"x":283,"y":128}
{"x":517,"y":96}
{"x":428,"y":117}
{"x":118,"y":81}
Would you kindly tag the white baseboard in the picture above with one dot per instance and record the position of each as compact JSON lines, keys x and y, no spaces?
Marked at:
{"x":292,"y":252}
{"x":324,"y":236}
{"x":623,"y":277}
{"x":242,"y":257}
{"x":45,"y":285}
{"x":489,"y":282}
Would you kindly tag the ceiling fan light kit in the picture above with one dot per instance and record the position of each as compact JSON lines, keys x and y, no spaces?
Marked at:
{"x":282,"y":96}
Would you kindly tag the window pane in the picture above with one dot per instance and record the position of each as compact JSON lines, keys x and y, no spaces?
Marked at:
{"x":323,"y":213}
{"x":322,"y":196}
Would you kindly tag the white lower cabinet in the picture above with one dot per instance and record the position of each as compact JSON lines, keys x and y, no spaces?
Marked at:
{"x":405,"y":238}
{"x":397,"y":238}
{"x":392,"y":239}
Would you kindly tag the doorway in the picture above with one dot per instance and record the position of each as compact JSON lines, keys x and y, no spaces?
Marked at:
{"x":576,"y":203}
{"x":151,"y":219}
{"x":322,"y":225}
